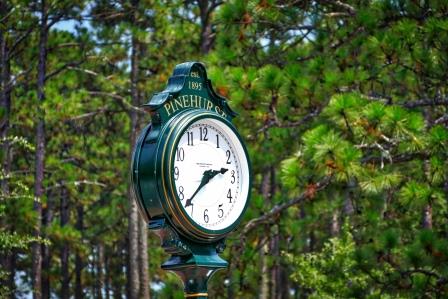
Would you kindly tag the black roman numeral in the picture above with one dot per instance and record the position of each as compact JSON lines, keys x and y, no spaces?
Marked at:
{"x":203,"y":134}
{"x":190,"y":138}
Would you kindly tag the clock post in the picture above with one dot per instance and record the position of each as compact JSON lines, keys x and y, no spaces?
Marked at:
{"x":193,"y":262}
{"x":191,"y":175}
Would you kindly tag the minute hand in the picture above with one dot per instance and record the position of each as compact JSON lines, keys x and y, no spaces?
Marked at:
{"x":206,"y":177}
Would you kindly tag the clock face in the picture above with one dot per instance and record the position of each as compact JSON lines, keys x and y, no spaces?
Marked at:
{"x":211,"y":174}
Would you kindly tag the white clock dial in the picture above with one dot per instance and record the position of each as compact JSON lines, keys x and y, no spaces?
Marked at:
{"x":211,"y":174}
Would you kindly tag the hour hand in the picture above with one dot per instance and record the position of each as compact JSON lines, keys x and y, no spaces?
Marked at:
{"x":206,"y":177}
{"x":213,"y":173}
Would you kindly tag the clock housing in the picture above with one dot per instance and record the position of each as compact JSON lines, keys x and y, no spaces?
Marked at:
{"x":189,"y":100}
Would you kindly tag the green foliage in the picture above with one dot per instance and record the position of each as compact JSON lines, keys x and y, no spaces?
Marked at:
{"x":360,"y":99}
{"x":10,"y":241}
{"x":331,"y":273}
{"x":14,"y":237}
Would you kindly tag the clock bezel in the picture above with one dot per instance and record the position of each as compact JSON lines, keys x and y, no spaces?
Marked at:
{"x":173,"y":205}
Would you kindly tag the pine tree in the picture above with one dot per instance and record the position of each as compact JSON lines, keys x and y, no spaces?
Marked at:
{"x":348,"y":90}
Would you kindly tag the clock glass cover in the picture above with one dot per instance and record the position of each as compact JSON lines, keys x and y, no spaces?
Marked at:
{"x":211,"y":174}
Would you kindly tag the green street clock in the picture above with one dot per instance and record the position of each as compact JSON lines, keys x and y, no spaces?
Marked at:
{"x":191,"y":175}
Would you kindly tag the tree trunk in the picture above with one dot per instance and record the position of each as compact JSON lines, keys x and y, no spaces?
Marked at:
{"x":445,"y":189}
{"x":99,"y":271}
{"x":311,"y":241}
{"x":264,"y":283}
{"x":133,"y":267}
{"x":40,"y":153}
{"x":348,"y":208}
{"x":5,"y":100}
{"x":427,"y":216}
{"x":65,"y":218}
{"x":117,"y":264}
{"x":335,"y":226}
{"x":230,"y":273}
{"x":8,"y":264}
{"x":133,"y":231}
{"x":284,"y":283}
{"x":270,"y":275}
{"x":274,"y":245}
{"x":11,"y":268}
{"x":206,"y":8}
{"x":78,"y":260}
{"x":107,"y":277}
{"x":8,"y":259}
{"x":427,"y":210}
{"x":128,"y":267}
{"x":46,"y":253}
{"x":143,"y":261}
{"x":275,"y":269}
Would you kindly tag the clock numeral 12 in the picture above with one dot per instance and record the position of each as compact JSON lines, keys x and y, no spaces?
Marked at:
{"x":217,"y":141}
{"x":203,"y":134}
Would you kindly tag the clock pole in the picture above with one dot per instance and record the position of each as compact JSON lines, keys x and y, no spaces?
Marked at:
{"x":195,"y":279}
{"x":194,"y":263}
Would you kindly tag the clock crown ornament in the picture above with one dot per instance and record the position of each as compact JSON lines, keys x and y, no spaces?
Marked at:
{"x":191,"y":175}
{"x":189,"y":87}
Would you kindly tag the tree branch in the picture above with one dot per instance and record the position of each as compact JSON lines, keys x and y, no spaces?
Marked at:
{"x":387,"y":100}
{"x":422,"y":271}
{"x":122,"y":100}
{"x":65,"y":45}
{"x":396,"y":159}
{"x":292,"y":124}
{"x":12,"y":83}
{"x":441,"y":120}
{"x":94,"y":113}
{"x":76,"y":183}
{"x":427,"y":102}
{"x":277,"y":209}
{"x":54,"y":20}
{"x":62,"y":68}
{"x":215,"y":5}
{"x":334,"y":46}
{"x":350,"y":9}
{"x":87,"y":71}
{"x":19,"y":40}
{"x":6,"y":16}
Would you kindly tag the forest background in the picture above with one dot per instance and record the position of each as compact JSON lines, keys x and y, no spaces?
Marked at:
{"x":343,"y":105}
